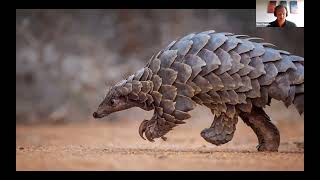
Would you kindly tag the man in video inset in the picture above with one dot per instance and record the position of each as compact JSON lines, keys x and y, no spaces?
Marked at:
{"x":281,"y":13}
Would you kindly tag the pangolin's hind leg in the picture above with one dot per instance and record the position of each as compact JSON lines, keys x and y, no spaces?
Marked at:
{"x":267,"y":133}
{"x":221,"y":130}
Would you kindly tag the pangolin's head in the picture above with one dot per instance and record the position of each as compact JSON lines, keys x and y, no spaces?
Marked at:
{"x":115,"y":100}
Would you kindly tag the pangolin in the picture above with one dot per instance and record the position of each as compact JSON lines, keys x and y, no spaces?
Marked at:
{"x":233,"y":75}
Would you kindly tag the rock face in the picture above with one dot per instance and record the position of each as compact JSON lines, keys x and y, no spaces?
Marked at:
{"x":233,"y":75}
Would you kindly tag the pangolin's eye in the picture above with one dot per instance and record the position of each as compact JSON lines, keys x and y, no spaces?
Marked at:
{"x":113,"y":102}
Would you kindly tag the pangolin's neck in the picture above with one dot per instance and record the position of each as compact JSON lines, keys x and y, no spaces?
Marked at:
{"x":139,"y":89}
{"x":140,"y":94}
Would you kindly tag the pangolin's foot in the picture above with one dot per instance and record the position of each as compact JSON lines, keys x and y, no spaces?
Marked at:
{"x":211,"y":136}
{"x":152,"y":130}
{"x":271,"y":146}
{"x":267,"y":133}
{"x":221,"y":131}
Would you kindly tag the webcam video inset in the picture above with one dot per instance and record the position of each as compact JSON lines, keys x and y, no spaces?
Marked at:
{"x":280,"y":14}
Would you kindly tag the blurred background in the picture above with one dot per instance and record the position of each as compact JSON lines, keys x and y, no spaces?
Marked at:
{"x":66,"y":60}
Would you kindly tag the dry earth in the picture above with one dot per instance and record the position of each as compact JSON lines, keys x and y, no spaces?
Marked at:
{"x":117,"y":146}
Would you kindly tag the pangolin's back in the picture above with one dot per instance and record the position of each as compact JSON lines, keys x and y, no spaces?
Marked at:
{"x":224,"y":72}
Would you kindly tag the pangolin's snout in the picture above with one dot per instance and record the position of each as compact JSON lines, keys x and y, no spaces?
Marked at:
{"x":95,"y":115}
{"x":99,"y":115}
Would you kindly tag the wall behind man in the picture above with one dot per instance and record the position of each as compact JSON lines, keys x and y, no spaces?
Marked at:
{"x":263,"y":18}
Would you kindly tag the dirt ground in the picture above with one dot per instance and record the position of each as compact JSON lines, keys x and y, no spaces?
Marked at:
{"x":117,"y":146}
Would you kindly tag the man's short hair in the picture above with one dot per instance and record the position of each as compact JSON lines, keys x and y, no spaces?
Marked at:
{"x":279,"y":7}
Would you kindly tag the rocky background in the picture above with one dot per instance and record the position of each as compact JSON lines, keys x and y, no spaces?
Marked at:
{"x":67,"y":59}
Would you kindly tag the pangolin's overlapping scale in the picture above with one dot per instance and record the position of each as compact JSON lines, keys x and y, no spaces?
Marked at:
{"x":159,"y":110}
{"x":136,"y":86}
{"x":149,"y":99}
{"x":145,"y":75}
{"x":167,"y":75}
{"x":257,"y":51}
{"x":246,"y":81}
{"x":236,"y":64}
{"x":228,"y":81}
{"x":183,"y":47}
{"x":184,"y":89}
{"x":230,"y":43}
{"x":142,"y":97}
{"x":263,"y":99}
{"x":237,"y":80}
{"x":216,"y":40}
{"x":167,"y":58}
{"x":211,"y":59}
{"x":222,"y":107}
{"x":196,"y":63}
{"x":270,"y":55}
{"x":146,"y":86}
{"x":168,"y":105}
{"x":234,"y":98}
{"x":197,"y":100}
{"x":242,"y":97}
{"x":245,"y":107}
{"x":184,"y":103}
{"x":156,"y":97}
{"x":155,"y":65}
{"x":279,"y":89}
{"x":270,"y":76}
{"x":284,"y":64}
{"x":231,"y":111}
{"x":133,"y":96}
{"x":169,"y":117}
{"x":196,"y":88}
{"x":215,"y":81}
{"x":199,"y":41}
{"x":157,"y":81}
{"x":180,"y":115}
{"x":205,"y":98}
{"x":214,"y":96}
{"x":255,"y":91}
{"x":202,"y":83}
{"x":184,"y":71}
{"x":295,"y":58}
{"x":224,"y":95}
{"x":244,"y":46}
{"x":258,"y":70}
{"x":225,"y":60}
{"x":168,"y":92}
{"x":296,"y":76}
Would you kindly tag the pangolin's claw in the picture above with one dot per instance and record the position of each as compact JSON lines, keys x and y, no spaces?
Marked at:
{"x":142,"y":128}
{"x":164,"y":138}
{"x":258,"y":146}
{"x":149,"y":136}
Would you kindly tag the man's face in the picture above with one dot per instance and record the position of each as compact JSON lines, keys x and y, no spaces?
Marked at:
{"x":281,"y":14}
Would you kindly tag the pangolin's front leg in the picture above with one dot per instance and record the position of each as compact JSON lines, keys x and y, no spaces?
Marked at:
{"x":221,"y":130}
{"x":267,"y":133}
{"x":156,"y":127}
